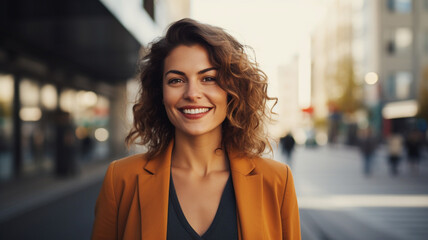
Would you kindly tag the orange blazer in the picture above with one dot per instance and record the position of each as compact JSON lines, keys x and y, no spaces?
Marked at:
{"x":133,"y":201}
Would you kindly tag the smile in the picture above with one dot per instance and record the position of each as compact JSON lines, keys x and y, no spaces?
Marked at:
{"x":195,"y":110}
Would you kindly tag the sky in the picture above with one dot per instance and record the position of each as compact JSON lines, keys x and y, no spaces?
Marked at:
{"x":274,"y":29}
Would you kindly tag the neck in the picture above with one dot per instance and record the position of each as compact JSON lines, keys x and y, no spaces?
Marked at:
{"x":199,"y":154}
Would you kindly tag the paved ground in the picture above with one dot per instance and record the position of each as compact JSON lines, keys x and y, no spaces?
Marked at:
{"x":50,"y":208}
{"x":67,"y":218}
{"x":338,"y":201}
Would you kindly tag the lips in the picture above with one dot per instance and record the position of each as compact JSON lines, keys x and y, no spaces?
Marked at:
{"x":194,"y":112}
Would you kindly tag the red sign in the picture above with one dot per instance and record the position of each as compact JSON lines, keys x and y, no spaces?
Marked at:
{"x":309,"y":110}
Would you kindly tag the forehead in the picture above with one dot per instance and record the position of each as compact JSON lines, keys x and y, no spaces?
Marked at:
{"x":182,"y":57}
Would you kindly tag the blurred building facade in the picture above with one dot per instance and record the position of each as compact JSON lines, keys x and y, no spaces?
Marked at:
{"x":335,"y":96}
{"x":64,"y":69}
{"x":288,"y":104}
{"x":371,"y":57}
{"x":403,"y":28}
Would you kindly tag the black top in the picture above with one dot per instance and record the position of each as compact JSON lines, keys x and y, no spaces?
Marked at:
{"x":224,"y":225}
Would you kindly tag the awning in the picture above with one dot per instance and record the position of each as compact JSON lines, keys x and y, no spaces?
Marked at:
{"x":78,"y":35}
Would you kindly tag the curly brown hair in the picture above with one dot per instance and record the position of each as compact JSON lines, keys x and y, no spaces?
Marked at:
{"x":238,"y":75}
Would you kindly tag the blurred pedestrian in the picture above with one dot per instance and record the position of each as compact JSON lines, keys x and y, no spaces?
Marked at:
{"x":368,"y":145}
{"x":65,"y":161}
{"x":413,"y":147}
{"x":37,"y":141}
{"x":200,"y":113}
{"x":395,"y":151}
{"x":87,"y":146}
{"x":287,"y":143}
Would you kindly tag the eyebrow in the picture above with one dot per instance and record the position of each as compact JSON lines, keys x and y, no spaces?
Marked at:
{"x":183,"y":74}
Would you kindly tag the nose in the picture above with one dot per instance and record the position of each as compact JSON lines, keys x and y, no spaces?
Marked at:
{"x":193,"y":91}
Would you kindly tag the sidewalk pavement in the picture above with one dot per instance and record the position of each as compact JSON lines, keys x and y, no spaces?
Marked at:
{"x":337,"y":201}
{"x":23,"y":195}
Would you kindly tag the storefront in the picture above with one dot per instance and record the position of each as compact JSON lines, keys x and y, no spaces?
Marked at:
{"x":63,"y":74}
{"x":82,"y":116}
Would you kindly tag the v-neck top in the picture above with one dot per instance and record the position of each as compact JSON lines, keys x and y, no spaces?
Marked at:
{"x":223,"y":226}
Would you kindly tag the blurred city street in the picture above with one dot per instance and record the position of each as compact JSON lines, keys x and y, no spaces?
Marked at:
{"x":350,"y":77}
{"x":51,"y":208}
{"x":337,"y":201}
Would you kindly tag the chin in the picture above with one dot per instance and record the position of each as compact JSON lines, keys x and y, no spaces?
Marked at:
{"x":196,"y":133}
{"x":199,"y":132}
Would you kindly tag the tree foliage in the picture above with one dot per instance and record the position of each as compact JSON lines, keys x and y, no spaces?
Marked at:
{"x":348,"y":100}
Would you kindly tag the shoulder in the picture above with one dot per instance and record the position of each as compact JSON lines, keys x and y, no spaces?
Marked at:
{"x":121,"y":176}
{"x":277,"y":180}
{"x":273,"y":172}
{"x":127,"y":166}
{"x":268,"y":166}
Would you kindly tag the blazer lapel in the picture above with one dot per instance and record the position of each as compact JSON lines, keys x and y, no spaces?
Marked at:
{"x":153,"y":191}
{"x":248,"y":186}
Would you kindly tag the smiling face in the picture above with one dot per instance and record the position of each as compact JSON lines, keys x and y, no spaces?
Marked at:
{"x":194,"y":102}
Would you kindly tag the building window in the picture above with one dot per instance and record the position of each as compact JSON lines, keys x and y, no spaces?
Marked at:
{"x":33,"y":135}
{"x":6,"y":126}
{"x":399,"y":6}
{"x":403,"y":81}
{"x":90,"y":114}
{"x":399,"y":86}
{"x":399,"y":41}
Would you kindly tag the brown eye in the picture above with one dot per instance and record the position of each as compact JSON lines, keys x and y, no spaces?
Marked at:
{"x":174,"y":81}
{"x":209,"y":79}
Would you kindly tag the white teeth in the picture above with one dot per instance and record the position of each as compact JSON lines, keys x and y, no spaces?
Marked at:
{"x":195,"y":110}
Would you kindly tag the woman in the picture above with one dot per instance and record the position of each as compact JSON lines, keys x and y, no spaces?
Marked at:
{"x":200,"y":113}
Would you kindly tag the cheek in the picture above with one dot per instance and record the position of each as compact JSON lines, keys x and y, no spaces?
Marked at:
{"x":168,"y":96}
{"x":167,"y":101}
{"x":169,"y":109}
{"x":171,"y":97}
{"x":221,"y":100}
{"x":223,"y":96}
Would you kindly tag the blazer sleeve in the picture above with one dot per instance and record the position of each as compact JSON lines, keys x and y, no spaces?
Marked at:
{"x":290,"y":210}
{"x":105,"y":224}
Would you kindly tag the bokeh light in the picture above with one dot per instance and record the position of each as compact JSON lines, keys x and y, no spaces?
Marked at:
{"x":30,"y":114}
{"x":371,"y":78}
{"x":6,"y":88}
{"x":101,"y":134}
{"x":49,"y":97}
